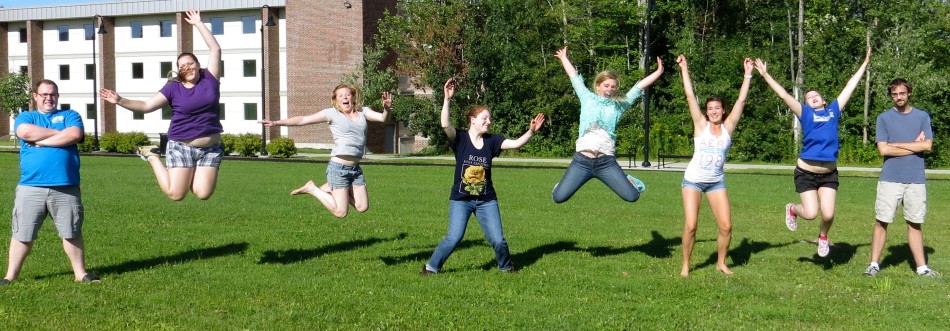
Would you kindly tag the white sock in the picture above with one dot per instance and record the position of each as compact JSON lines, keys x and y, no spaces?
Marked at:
{"x":874,"y":264}
{"x":922,"y":268}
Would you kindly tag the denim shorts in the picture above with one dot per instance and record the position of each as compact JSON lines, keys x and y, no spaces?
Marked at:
{"x":705,"y":187}
{"x":344,"y":176}
{"x":182,"y":155}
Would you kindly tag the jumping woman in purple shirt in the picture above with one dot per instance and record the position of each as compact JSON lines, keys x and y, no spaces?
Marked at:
{"x":194,"y":136}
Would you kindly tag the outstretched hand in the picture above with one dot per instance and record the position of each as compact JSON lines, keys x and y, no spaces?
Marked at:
{"x":268,"y":123}
{"x":761,"y":66}
{"x":387,"y":99}
{"x":449,"y":88}
{"x":537,"y":122}
{"x":193,"y":17}
{"x":681,"y":61}
{"x":109,"y":95}
{"x":748,"y":65}
{"x":561,"y":53}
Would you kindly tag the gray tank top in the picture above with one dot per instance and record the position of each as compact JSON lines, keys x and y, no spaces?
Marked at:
{"x":349,"y":136}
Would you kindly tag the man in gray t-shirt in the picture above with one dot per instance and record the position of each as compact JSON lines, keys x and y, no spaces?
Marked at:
{"x":904,"y":133}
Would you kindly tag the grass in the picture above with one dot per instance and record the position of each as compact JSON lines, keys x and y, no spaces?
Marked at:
{"x":254,"y":257}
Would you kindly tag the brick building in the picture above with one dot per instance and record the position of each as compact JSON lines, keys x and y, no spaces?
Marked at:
{"x":278,"y":71}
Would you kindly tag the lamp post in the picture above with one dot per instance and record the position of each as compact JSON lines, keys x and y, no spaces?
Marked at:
{"x":269,"y":22}
{"x":646,"y":92}
{"x":95,"y":78}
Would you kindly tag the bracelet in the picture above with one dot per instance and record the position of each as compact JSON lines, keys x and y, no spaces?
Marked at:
{"x":748,"y":76}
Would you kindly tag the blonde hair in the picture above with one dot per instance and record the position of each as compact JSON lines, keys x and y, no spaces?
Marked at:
{"x":605,"y":75}
{"x":356,"y":100}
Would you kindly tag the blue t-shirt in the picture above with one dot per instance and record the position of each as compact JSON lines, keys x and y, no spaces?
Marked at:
{"x":473,"y":166}
{"x":894,"y":127}
{"x":820,"y":130}
{"x":49,"y":166}
{"x":194,"y":110}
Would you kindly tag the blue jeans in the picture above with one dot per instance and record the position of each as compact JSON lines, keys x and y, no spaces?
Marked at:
{"x":489,"y":217}
{"x":605,"y":168}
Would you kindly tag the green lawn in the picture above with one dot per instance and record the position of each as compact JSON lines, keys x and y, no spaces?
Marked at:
{"x":254,"y":257}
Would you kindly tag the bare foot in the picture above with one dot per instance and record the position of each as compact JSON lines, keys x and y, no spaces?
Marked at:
{"x":305,"y":189}
{"x":724,"y":269}
{"x":685,"y":271}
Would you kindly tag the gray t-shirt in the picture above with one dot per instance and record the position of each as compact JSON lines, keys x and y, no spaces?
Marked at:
{"x":894,"y":127}
{"x":349,"y":136}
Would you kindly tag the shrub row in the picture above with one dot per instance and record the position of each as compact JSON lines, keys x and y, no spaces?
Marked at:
{"x":247,"y":144}
{"x":121,"y":142}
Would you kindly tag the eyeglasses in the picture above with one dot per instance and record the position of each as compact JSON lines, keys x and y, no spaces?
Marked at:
{"x":899,"y":94}
{"x":48,"y":95}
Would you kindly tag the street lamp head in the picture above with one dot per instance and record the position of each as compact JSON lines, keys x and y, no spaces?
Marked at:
{"x":270,"y":18}
{"x":102,"y":28}
{"x":346,"y":3}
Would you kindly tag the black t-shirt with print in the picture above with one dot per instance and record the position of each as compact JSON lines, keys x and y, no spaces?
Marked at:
{"x":473,"y":166}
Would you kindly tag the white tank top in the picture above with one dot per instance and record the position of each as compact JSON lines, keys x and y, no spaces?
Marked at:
{"x":709,"y":155}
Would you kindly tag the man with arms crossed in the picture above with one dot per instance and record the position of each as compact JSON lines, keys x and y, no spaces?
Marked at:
{"x":903,"y":135}
{"x":49,"y":181}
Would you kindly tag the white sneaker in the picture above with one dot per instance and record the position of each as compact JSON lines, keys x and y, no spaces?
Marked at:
{"x":823,"y":247}
{"x":791,"y":220}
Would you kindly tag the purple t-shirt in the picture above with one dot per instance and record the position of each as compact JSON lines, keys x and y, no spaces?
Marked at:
{"x":195,"y":109}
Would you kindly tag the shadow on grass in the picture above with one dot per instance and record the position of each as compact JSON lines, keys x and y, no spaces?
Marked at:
{"x":424,"y":255}
{"x":658,"y":247}
{"x":741,"y":254}
{"x":899,"y":253}
{"x":840,"y":253}
{"x":532,"y":255}
{"x":297,"y":255}
{"x":183,"y":257}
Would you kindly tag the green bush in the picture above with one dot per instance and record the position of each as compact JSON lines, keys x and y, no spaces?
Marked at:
{"x":282,"y":147}
{"x":229,"y":141}
{"x":248,"y":144}
{"x":122,"y":142}
{"x":86,"y":145}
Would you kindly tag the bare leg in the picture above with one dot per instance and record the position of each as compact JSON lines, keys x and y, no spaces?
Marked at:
{"x":18,"y":252}
{"x":878,"y":237}
{"x":204,"y":182}
{"x":359,"y":198}
{"x":915,"y":239}
{"x":336,"y":201}
{"x":691,"y":200}
{"x":808,"y":209}
{"x":828,"y":196}
{"x":75,"y":251}
{"x":719,"y":202}
{"x":174,"y":182}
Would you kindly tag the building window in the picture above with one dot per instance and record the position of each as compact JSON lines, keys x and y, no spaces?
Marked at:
{"x":63,"y":32}
{"x":138,"y":72}
{"x":250,"y":68}
{"x":165,"y":28}
{"x":167,"y":112}
{"x":217,"y":25}
{"x":65,"y":106}
{"x":64,"y":72}
{"x":248,"y":23}
{"x":166,"y":69}
{"x":22,"y":35}
{"x":90,"y":71}
{"x":136,"y":29}
{"x":138,"y":116}
{"x":89,"y":31}
{"x":91,"y":113}
{"x":250,"y":111}
{"x":221,"y":111}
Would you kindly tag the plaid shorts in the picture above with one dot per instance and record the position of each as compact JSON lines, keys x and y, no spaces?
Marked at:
{"x":182,"y":155}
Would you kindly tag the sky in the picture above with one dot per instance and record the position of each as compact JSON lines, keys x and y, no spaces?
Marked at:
{"x":43,"y":3}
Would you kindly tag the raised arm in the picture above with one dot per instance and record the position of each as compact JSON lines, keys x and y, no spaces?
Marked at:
{"x":536,"y":124}
{"x":154,"y":103}
{"x":444,"y":119}
{"x":565,"y":62}
{"x":373,"y":116}
{"x":650,"y":79}
{"x":699,"y":121}
{"x":853,"y":82}
{"x":193,"y":17}
{"x":737,"y":109}
{"x":789,"y":100}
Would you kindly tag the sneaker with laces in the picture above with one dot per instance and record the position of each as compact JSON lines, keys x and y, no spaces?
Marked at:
{"x":637,"y":183}
{"x":823,"y":246}
{"x":928,"y":273}
{"x":146,"y":152}
{"x":872,"y":270}
{"x":791,"y":220}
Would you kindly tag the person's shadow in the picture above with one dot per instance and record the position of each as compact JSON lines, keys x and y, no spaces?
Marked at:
{"x":658,"y":247}
{"x":840,"y":254}
{"x":179,"y":258}
{"x":297,"y":255}
{"x":901,"y":253}
{"x":424,"y":255}
{"x":741,"y":254}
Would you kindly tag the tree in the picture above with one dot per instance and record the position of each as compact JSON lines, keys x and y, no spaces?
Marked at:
{"x":14,"y":96}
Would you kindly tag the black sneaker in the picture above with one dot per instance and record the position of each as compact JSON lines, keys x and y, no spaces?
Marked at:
{"x":90,"y":278}
{"x":4,"y":281}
